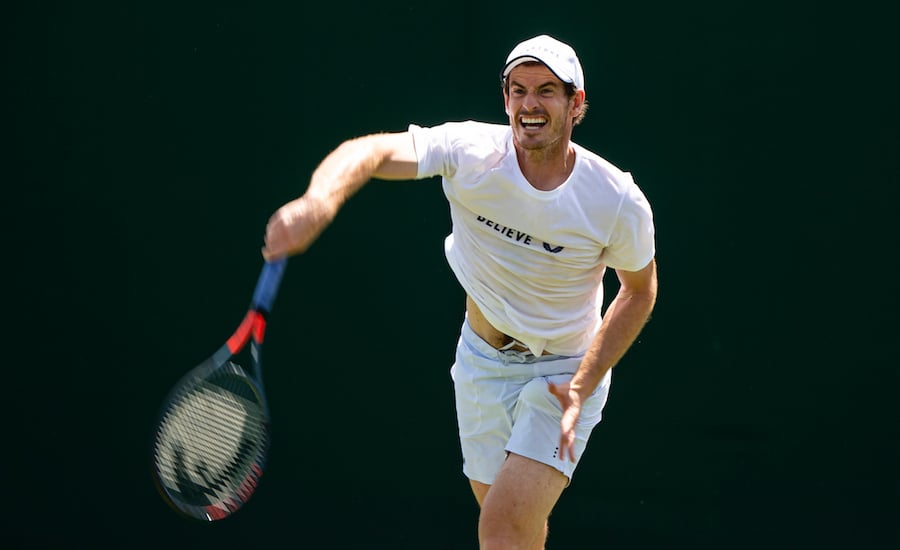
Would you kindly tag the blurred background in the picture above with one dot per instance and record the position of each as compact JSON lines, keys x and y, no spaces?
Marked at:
{"x":149,"y":142}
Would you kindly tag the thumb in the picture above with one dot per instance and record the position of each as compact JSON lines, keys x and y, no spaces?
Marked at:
{"x":553,"y":389}
{"x":558,"y":390}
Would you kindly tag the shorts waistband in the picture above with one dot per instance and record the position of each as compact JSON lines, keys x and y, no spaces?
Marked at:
{"x":519,"y":354}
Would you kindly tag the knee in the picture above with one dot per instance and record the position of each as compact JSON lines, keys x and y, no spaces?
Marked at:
{"x":508,"y":537}
{"x":495,"y":543}
{"x":493,"y":539}
{"x":500,"y":528}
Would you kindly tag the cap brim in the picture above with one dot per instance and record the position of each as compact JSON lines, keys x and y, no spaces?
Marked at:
{"x":513,"y":63}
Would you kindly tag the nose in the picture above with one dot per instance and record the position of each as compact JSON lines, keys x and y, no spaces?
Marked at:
{"x":530,"y":102}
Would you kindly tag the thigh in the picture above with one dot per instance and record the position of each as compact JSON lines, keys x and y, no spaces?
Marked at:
{"x":517,"y":505}
{"x":536,"y":423}
{"x":480,"y":490}
{"x":484,"y":408}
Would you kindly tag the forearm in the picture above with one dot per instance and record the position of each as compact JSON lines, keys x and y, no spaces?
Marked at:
{"x":344,"y":171}
{"x":624,"y":319}
{"x":294,"y":226}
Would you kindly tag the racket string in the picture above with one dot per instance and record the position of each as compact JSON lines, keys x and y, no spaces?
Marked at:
{"x":211,"y":443}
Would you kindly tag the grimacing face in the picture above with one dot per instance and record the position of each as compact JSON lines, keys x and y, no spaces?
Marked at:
{"x":540,"y":107}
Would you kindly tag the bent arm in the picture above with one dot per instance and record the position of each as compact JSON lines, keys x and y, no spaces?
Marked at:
{"x":622,"y":322}
{"x":624,"y":318}
{"x":297,"y":224}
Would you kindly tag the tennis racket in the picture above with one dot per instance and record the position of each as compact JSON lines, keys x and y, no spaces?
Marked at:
{"x":212,"y":436}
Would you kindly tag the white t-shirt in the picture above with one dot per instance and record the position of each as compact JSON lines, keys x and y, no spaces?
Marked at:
{"x":533,"y":261}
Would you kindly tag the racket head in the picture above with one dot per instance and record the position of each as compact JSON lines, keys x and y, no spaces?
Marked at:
{"x":211,"y":441}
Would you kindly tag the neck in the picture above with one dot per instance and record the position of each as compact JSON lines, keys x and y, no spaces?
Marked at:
{"x":548,"y":167}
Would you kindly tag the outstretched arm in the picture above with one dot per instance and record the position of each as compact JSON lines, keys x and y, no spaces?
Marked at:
{"x":622,"y":322}
{"x":297,"y":224}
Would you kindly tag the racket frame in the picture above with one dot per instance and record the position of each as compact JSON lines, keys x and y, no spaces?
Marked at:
{"x":251,"y":330}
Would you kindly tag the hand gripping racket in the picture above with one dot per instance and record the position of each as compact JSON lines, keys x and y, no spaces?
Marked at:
{"x":212,"y":436}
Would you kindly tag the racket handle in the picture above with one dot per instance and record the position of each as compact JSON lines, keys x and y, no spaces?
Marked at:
{"x":267,"y":285}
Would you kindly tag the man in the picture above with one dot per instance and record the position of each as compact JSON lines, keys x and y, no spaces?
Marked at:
{"x":536,"y":221}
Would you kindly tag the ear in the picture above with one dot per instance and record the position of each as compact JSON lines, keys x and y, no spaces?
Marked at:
{"x":578,"y":102}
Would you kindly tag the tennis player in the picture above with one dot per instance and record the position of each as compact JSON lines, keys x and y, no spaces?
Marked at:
{"x":537,"y":219}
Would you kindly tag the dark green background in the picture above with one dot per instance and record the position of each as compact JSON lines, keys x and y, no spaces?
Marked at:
{"x":150,"y":141}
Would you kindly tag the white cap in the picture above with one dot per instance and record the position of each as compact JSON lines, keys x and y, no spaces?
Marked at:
{"x":557,"y":56}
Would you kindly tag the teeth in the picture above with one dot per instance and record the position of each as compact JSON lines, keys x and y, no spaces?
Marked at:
{"x":533,"y":120}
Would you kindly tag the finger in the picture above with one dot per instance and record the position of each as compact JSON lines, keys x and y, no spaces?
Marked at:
{"x":566,"y":447}
{"x":268,"y":252}
{"x":268,"y":255}
{"x":571,"y":452}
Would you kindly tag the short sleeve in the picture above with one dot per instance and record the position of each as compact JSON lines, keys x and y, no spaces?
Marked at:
{"x":432,"y":151}
{"x":632,"y":244}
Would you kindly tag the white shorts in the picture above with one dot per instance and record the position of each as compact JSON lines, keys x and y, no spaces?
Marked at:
{"x":503,"y":405}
